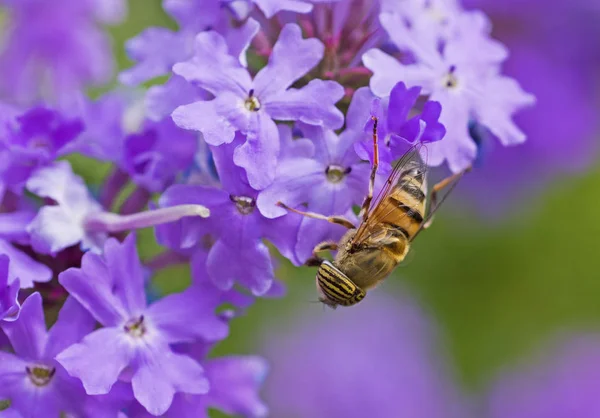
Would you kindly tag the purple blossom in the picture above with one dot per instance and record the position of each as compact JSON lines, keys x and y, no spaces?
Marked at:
{"x":32,"y":140}
{"x":53,"y":49}
{"x":316,"y":372}
{"x":396,"y":132}
{"x":9,"y":290}
{"x":236,"y":227}
{"x":250,"y":106}
{"x":151,"y":152}
{"x":134,"y":343}
{"x":77,"y":218}
{"x":467,"y":85}
{"x":563,"y":385}
{"x":35,"y":384}
{"x":59,"y":226}
{"x":562,"y":127}
{"x":323,"y":171}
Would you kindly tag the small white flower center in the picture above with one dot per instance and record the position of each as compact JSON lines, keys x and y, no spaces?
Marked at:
{"x":450,"y":80}
{"x":336,"y":173}
{"x":252,"y":103}
{"x":40,"y":374}
{"x":135,"y":327}
{"x":244,"y":204}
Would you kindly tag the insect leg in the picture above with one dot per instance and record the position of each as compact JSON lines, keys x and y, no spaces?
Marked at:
{"x":333,"y":219}
{"x":451,"y":181}
{"x":315,"y":260}
{"x":364,"y":211}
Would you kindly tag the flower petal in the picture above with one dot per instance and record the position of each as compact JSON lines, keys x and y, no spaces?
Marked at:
{"x":291,"y":58}
{"x":235,"y":383}
{"x":155,"y":50}
{"x":253,"y":267}
{"x":24,"y":268}
{"x":73,"y":323}
{"x":190,"y":315}
{"x":98,"y":359}
{"x":258,"y":155}
{"x":295,"y":178}
{"x":53,"y":230}
{"x":313,"y":104}
{"x":28,"y":334}
{"x":125,"y":268}
{"x":402,"y":100}
{"x":238,"y":39}
{"x":271,"y":7}
{"x":163,"y":373}
{"x":204,"y":117}
{"x":90,"y":286}
{"x":213,"y":68}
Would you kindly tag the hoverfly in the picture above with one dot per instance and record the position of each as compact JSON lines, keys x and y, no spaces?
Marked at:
{"x":367,"y":254}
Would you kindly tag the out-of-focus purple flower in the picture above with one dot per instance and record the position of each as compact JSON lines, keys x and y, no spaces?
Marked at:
{"x":320,"y":369}
{"x":9,"y":290}
{"x":562,"y":127}
{"x":135,"y":336}
{"x":463,"y":76}
{"x":32,"y":140}
{"x":563,"y":385}
{"x":54,"y":49}
{"x":155,"y":156}
{"x":323,"y":171}
{"x":236,"y":225}
{"x":36,"y":385}
{"x":251,"y":106}
{"x":59,"y":226}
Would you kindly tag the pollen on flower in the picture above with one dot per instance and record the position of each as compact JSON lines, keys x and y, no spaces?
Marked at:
{"x":252,"y":103}
{"x":40,"y":375}
{"x":244,"y":204}
{"x":450,"y":79}
{"x":135,"y":327}
{"x":336,"y":173}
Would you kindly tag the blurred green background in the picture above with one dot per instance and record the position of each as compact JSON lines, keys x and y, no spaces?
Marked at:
{"x":497,"y":290}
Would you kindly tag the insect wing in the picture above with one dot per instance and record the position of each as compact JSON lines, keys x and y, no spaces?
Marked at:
{"x":380,"y":208}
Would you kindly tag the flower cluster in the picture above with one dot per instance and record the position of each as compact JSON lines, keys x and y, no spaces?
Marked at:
{"x":265,"y":101}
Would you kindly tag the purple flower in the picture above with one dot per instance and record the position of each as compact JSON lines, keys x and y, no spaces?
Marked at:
{"x":562,"y":127}
{"x":9,"y":290}
{"x":563,"y":385}
{"x":62,"y":225}
{"x":320,"y":369}
{"x":236,"y":226}
{"x":35,"y":384}
{"x":464,"y":78}
{"x":396,"y":132}
{"x":134,"y":343}
{"x":53,"y":49}
{"x":250,"y":106}
{"x":32,"y":140}
{"x":323,"y":171}
{"x":77,"y":218}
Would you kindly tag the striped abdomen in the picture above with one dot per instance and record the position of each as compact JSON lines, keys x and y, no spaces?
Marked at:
{"x":405,"y":205}
{"x":336,"y":288}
